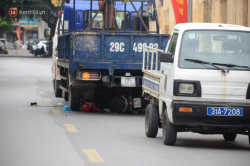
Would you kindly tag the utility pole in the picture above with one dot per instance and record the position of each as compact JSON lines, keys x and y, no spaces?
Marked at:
{"x":189,"y":11}
{"x":19,"y":35}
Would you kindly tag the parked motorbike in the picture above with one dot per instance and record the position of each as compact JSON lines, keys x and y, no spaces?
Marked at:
{"x":40,"y":52}
{"x":4,"y":50}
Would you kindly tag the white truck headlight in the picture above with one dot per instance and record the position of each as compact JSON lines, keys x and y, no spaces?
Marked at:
{"x":186,"y":88}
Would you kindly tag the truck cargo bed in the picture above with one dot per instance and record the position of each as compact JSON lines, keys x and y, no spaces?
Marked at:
{"x":106,"y":50}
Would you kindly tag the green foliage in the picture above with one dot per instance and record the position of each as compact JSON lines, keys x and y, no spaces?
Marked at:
{"x":125,"y":1}
{"x":6,"y":25}
{"x":4,"y":3}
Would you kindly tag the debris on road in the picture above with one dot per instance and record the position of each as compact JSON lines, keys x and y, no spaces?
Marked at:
{"x":67,"y":108}
{"x":33,"y":104}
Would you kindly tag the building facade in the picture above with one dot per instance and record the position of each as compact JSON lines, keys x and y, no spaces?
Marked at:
{"x":205,"y":11}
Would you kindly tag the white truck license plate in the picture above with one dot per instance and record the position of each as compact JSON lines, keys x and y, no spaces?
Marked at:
{"x":224,"y":111}
{"x":137,"y":102}
{"x":128,"y":82}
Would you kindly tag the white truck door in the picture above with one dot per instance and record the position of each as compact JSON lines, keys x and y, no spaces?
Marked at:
{"x":167,"y":76}
{"x":167,"y":68}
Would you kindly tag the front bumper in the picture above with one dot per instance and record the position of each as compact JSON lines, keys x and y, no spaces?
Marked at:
{"x":199,"y":117}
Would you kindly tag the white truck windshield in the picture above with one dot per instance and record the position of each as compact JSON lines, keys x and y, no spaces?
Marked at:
{"x":224,"y":47}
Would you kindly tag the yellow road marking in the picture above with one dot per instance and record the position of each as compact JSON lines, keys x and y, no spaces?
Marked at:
{"x":48,"y":100}
{"x":92,"y":155}
{"x":70,"y":128}
{"x":36,"y":86}
{"x":3,"y":80}
{"x":56,"y":111}
{"x":41,"y":92}
{"x":30,"y":80}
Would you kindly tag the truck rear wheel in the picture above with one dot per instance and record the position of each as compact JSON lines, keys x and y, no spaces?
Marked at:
{"x":151,"y":120}
{"x":249,"y":137}
{"x":65,"y":95}
{"x":229,"y":136}
{"x":168,"y":131}
{"x":73,"y":103}
{"x":66,"y":98}
{"x":58,"y":90}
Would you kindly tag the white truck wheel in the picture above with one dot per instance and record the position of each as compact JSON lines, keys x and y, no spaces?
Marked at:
{"x":168,"y":131}
{"x":229,"y":136}
{"x":151,"y":120}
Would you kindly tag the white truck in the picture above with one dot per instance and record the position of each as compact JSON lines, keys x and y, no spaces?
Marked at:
{"x":202,"y":83}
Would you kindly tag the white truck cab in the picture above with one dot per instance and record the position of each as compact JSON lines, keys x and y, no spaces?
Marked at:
{"x":202,"y":84}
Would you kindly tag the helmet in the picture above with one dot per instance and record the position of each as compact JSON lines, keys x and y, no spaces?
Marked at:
{"x":89,"y":106}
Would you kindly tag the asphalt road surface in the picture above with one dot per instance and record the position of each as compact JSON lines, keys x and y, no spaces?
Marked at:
{"x":45,"y":135}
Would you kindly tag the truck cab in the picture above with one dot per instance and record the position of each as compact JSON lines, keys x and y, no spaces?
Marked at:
{"x":83,"y":15}
{"x":203,"y":83}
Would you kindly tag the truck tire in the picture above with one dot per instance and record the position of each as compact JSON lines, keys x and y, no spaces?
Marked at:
{"x":58,"y":90}
{"x":53,"y":84}
{"x":151,"y":120}
{"x":168,"y":131}
{"x":65,"y":95}
{"x":229,"y":136}
{"x":66,"y":98}
{"x":249,"y":137}
{"x":73,"y":103}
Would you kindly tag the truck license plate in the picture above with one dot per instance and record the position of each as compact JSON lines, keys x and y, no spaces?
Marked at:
{"x":128,"y":82}
{"x":137,"y":102}
{"x":224,"y":111}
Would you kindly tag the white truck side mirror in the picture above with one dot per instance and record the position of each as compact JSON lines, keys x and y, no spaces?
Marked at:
{"x":166,"y":57}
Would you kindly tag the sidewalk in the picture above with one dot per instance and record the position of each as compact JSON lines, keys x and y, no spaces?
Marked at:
{"x":22,"y":51}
